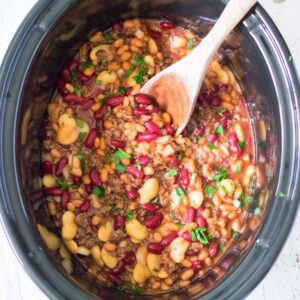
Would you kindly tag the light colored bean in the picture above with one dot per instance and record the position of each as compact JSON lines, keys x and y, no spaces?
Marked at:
{"x":236,"y":225}
{"x":71,"y":245}
{"x":227,"y":187}
{"x":153,"y":263}
{"x":178,"y":247}
{"x":141,"y":273}
{"x":152,"y":46}
{"x":67,"y":132}
{"x":51,"y":240}
{"x":105,"y":231}
{"x":110,"y":246}
{"x":96,"y":255}
{"x":109,"y":260}
{"x":262,"y":131}
{"x":49,"y":181}
{"x":103,"y":175}
{"x":84,"y":251}
{"x":149,"y":190}
{"x":196,"y":198}
{"x":69,"y":227}
{"x":248,"y":175}
{"x":239,"y":132}
{"x":141,"y":255}
{"x":67,"y":265}
{"x":64,"y":252}
{"x":136,"y":230}
{"x":187,"y":274}
{"x":107,"y":77}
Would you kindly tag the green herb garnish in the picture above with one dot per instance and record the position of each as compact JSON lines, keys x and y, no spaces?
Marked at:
{"x":180,"y":156}
{"x":81,"y":159}
{"x":190,"y":44}
{"x":129,"y":71}
{"x":242,"y":144}
{"x":108,"y":37}
{"x":63,"y":185}
{"x":107,"y":95}
{"x":211,"y":146}
{"x":170,"y":173}
{"x":82,"y":136}
{"x":137,"y":165}
{"x":221,"y":175}
{"x":77,"y":91}
{"x":238,"y":169}
{"x":221,"y":112}
{"x":98,"y":191}
{"x":125,"y":198}
{"x":199,"y":235}
{"x":234,"y":234}
{"x":155,"y":270}
{"x":120,"y":154}
{"x":210,"y":191}
{"x":221,"y":247}
{"x":281,"y":194}
{"x":107,"y":159}
{"x":122,"y":90}
{"x":179,"y":192}
{"x":99,"y":82}
{"x":139,"y":61}
{"x":80,"y":124}
{"x":128,"y":214}
{"x":139,"y":78}
{"x":219,"y":129}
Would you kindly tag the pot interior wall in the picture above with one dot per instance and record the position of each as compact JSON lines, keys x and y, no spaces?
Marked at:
{"x":63,"y":39}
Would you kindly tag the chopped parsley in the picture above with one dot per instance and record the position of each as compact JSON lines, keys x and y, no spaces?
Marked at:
{"x":171,"y":173}
{"x":221,"y":112}
{"x":139,"y":61}
{"x":180,"y":156}
{"x":80,"y":123}
{"x":120,"y":154}
{"x":210,"y":191}
{"x":238,"y":169}
{"x":108,"y":37}
{"x":211,"y":146}
{"x":242,"y":144}
{"x":125,"y":287}
{"x":107,"y":159}
{"x":281,"y":194}
{"x":107,"y":95}
{"x":82,"y":136}
{"x":129,"y":71}
{"x":180,"y":192}
{"x":222,"y":174}
{"x":77,"y":91}
{"x":138,"y":166}
{"x":221,"y":247}
{"x":125,"y":198}
{"x":199,"y":235}
{"x":128,"y":214}
{"x":175,"y":219}
{"x":190,"y":44}
{"x":99,"y":82}
{"x":155,"y":270}
{"x":122,"y":90}
{"x":98,"y":191}
{"x":139,"y":78}
{"x":63,"y":185}
{"x":82,"y":160}
{"x":234,"y":234}
{"x":219,"y":129}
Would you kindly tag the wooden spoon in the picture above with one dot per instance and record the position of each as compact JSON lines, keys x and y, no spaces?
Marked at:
{"x":176,"y":88}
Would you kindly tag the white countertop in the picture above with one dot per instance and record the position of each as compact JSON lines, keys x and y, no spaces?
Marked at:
{"x":281,"y":283}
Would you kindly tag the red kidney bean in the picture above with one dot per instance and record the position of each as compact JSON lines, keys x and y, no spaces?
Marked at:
{"x":143,"y":160}
{"x":146,"y":137}
{"x":169,"y":128}
{"x":216,"y":101}
{"x":154,"y":221}
{"x":187,"y":236}
{"x":131,"y":194}
{"x":199,"y":131}
{"x":213,"y":249}
{"x":119,"y":222}
{"x":114,"y":279}
{"x":191,"y":213}
{"x":223,"y":122}
{"x":154,"y":109}
{"x":95,"y":228}
{"x":82,"y":77}
{"x":152,"y":127}
{"x":118,"y":144}
{"x":143,"y":99}
{"x":76,"y":179}
{"x":227,"y":262}
{"x":149,"y":207}
{"x":128,"y":91}
{"x":212,"y":138}
{"x":73,"y":99}
{"x":47,"y":167}
{"x":89,"y":188}
{"x":117,"y":26}
{"x":227,"y":115}
{"x":201,"y":221}
{"x":191,"y":252}
{"x":36,"y":196}
{"x":87,"y":104}
{"x":119,"y":268}
{"x":53,"y":191}
{"x":61,"y":87}
{"x":184,"y":179}
{"x":65,"y":74}
{"x":114,"y":101}
{"x":174,"y":160}
{"x":237,"y":150}
{"x":233,"y":139}
{"x":72,"y":65}
{"x":60,"y":166}
{"x":166,"y":24}
{"x":129,"y":258}
{"x":140,"y":111}
{"x":167,"y":240}
{"x":156,"y":248}
{"x":100,"y":112}
{"x":85,"y":206}
{"x":95,"y":178}
{"x":196,"y":265}
{"x":154,"y":34}
{"x":135,"y":172}
{"x":89,"y":140}
{"x":65,"y":198}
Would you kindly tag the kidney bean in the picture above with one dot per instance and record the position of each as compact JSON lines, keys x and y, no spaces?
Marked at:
{"x":233,"y":139}
{"x":184,"y":179}
{"x":73,"y":99}
{"x":60,"y":166}
{"x":143,"y":99}
{"x":223,"y":122}
{"x":213,"y":249}
{"x":167,"y":240}
{"x":76,"y":179}
{"x":100,"y":112}
{"x":166,"y":24}
{"x":82,"y":77}
{"x":154,"y":221}
{"x":89,"y":188}
{"x":169,"y":128}
{"x":72,"y":65}
{"x":117,"y":26}
{"x":114,"y":101}
{"x":53,"y":191}
{"x":85,"y":206}
{"x":187,"y":236}
{"x":191,"y":213}
{"x":227,"y":115}
{"x":149,"y":207}
{"x":154,"y":34}
{"x":156,"y":248}
{"x":131,"y":194}
{"x":89,"y":140}
{"x":87,"y":104}
{"x":129,"y":258}
{"x":61,"y":87}
{"x":191,"y":252}
{"x":216,"y":101}
{"x":201,"y":221}
{"x":118,"y":144}
{"x":152,"y":127}
{"x":143,"y":160}
{"x":237,"y":150}
{"x":114,"y":279}
{"x":36,"y":196}
{"x":146,"y":137}
{"x":65,"y":198}
{"x":199,"y":131}
{"x":196,"y":265}
{"x":135,"y":172}
{"x":119,"y":222}
{"x":128,"y":91}
{"x":119,"y":268}
{"x":95,"y":178}
{"x":140,"y":111}
{"x":154,"y":109}
{"x":174,"y":160}
{"x":227,"y":262}
{"x":212,"y":138}
{"x":47,"y":167}
{"x":65,"y":74}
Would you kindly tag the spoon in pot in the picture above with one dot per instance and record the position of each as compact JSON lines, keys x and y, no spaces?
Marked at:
{"x":176,"y":88}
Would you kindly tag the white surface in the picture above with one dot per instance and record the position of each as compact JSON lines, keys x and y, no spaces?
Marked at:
{"x":282,"y":282}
